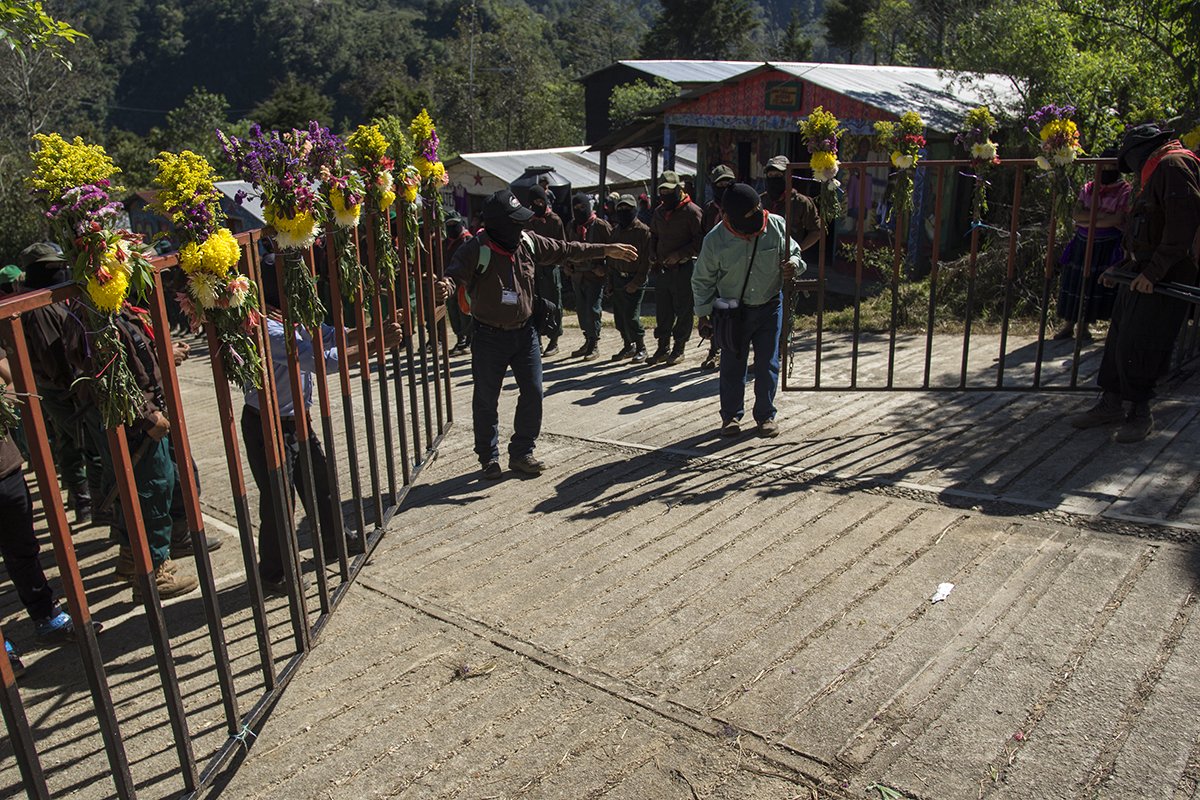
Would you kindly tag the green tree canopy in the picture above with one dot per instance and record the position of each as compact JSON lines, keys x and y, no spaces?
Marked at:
{"x":704,"y":29}
{"x":293,"y":104}
{"x":629,"y":101}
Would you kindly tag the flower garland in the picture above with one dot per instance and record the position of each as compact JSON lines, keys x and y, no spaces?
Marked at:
{"x":1058,"y":138}
{"x":286,"y":167}
{"x":368,"y":149}
{"x":344,"y":194}
{"x":73,"y":181}
{"x":821,"y":131}
{"x":904,"y":140}
{"x":976,"y":139}
{"x":216,"y":294}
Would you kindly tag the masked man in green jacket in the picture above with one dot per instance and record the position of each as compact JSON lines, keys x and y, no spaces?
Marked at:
{"x":741,"y":269}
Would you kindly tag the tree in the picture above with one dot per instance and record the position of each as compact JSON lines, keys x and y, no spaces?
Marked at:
{"x":629,"y":101}
{"x":293,"y":104}
{"x":792,"y":44}
{"x":845,"y":25}
{"x":707,"y":29}
{"x":25,"y":26}
{"x":192,"y":126}
{"x":397,"y":97}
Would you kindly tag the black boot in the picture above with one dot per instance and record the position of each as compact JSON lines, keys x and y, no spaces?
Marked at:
{"x":80,"y":498}
{"x":639,"y":352}
{"x":661,"y":353}
{"x":625,"y":353}
{"x":551,"y":347}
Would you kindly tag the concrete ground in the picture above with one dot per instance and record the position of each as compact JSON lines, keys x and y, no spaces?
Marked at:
{"x":666,"y":614}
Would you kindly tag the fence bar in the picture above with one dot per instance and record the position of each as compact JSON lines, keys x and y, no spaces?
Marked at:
{"x":364,"y":374}
{"x":304,"y":435}
{"x":430,"y":304}
{"x":241,"y":506}
{"x":822,"y":246}
{"x":1085,"y":287}
{"x":331,"y":460}
{"x":934,"y":260}
{"x":422,"y":337}
{"x":191,"y":504}
{"x":441,"y":316}
{"x":1047,"y":281}
{"x":859,"y":255}
{"x":64,"y":552}
{"x":393,"y":313}
{"x":1010,"y":275}
{"x":373,"y":258}
{"x":339,"y":339}
{"x":789,"y":299}
{"x":279,"y":478}
{"x":135,"y":528}
{"x":19,"y":735}
{"x":972,"y":263}
{"x":406,"y":301}
{"x":896,"y":256}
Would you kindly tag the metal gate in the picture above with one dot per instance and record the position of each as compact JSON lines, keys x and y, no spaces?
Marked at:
{"x":947,"y":352}
{"x":406,"y":409}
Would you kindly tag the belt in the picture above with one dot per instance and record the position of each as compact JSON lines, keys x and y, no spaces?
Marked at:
{"x":251,"y":409}
{"x":488,"y":327}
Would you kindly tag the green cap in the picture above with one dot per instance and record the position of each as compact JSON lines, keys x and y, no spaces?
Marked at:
{"x":40,"y":253}
{"x":626,"y":200}
{"x":11,"y":273}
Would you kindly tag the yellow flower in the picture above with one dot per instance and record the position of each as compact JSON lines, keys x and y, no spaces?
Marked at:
{"x":107,"y":297}
{"x":345,"y":216}
{"x":220,"y":252}
{"x":822,"y":161}
{"x":186,"y":180}
{"x":59,"y":165}
{"x":421,"y":127}
{"x":1043,"y":163}
{"x":410,"y":193}
{"x":367,"y":144}
{"x":984,"y":151}
{"x":292,"y":232}
{"x":439,"y":176}
{"x":386,"y":199}
{"x":424,"y":166}
{"x":190,"y":258}
{"x":1191,"y":139}
{"x":901,"y":161}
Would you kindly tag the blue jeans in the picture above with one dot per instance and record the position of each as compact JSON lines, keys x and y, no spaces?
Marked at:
{"x":761,"y":328}
{"x":588,"y":294}
{"x":493,"y":351}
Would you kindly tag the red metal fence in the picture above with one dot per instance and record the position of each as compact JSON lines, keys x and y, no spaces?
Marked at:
{"x":1035,"y":366}
{"x":405,"y":393}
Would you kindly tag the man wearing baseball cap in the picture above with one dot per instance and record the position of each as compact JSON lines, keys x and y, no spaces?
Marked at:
{"x":498,"y":269}
{"x":10,"y":279}
{"x":804,"y":225}
{"x":676,"y":233}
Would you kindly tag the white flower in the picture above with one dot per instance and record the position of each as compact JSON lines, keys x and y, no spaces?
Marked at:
{"x":903,"y":162}
{"x":826,"y":175}
{"x":204,"y":289}
{"x":1064,"y":156}
{"x":1044,"y":163}
{"x":984,"y":151}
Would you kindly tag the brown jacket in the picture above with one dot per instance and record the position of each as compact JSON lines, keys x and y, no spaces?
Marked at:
{"x":139,"y":355}
{"x":805,"y":218}
{"x":596,"y":231}
{"x":511,"y":271}
{"x":10,"y":456}
{"x":712,"y":216}
{"x":549,"y":225}
{"x":638,"y":235}
{"x":1162,"y":226}
{"x":676,"y":233}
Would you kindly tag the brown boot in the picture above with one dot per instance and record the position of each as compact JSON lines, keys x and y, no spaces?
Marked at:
{"x":127,"y":569}
{"x":1109,"y":411}
{"x":169,"y":582}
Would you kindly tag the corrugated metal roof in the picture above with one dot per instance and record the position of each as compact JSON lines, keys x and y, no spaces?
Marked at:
{"x":693,"y":72}
{"x":484,"y":173}
{"x":941,"y":96}
{"x":252,"y":204}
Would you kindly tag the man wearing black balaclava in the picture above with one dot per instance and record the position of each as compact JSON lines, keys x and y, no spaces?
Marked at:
{"x":498,"y":270}
{"x":627,"y":282}
{"x":805,"y":222}
{"x":588,"y":278}
{"x":1161,"y":240}
{"x":676,"y":234}
{"x":740,"y":272}
{"x":549,"y":280}
{"x":721,"y":178}
{"x":460,"y":320}
{"x":44,"y":267}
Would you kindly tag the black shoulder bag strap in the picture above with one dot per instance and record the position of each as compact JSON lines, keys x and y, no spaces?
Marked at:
{"x":749,"y":269}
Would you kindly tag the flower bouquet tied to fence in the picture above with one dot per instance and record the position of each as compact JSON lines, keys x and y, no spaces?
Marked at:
{"x":976,"y":140}
{"x":1058,"y":140}
{"x":821,"y":131}
{"x":73,"y":181}
{"x":368,"y":149}
{"x":287,"y":169}
{"x":216,"y":293}
{"x":904,"y":140}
